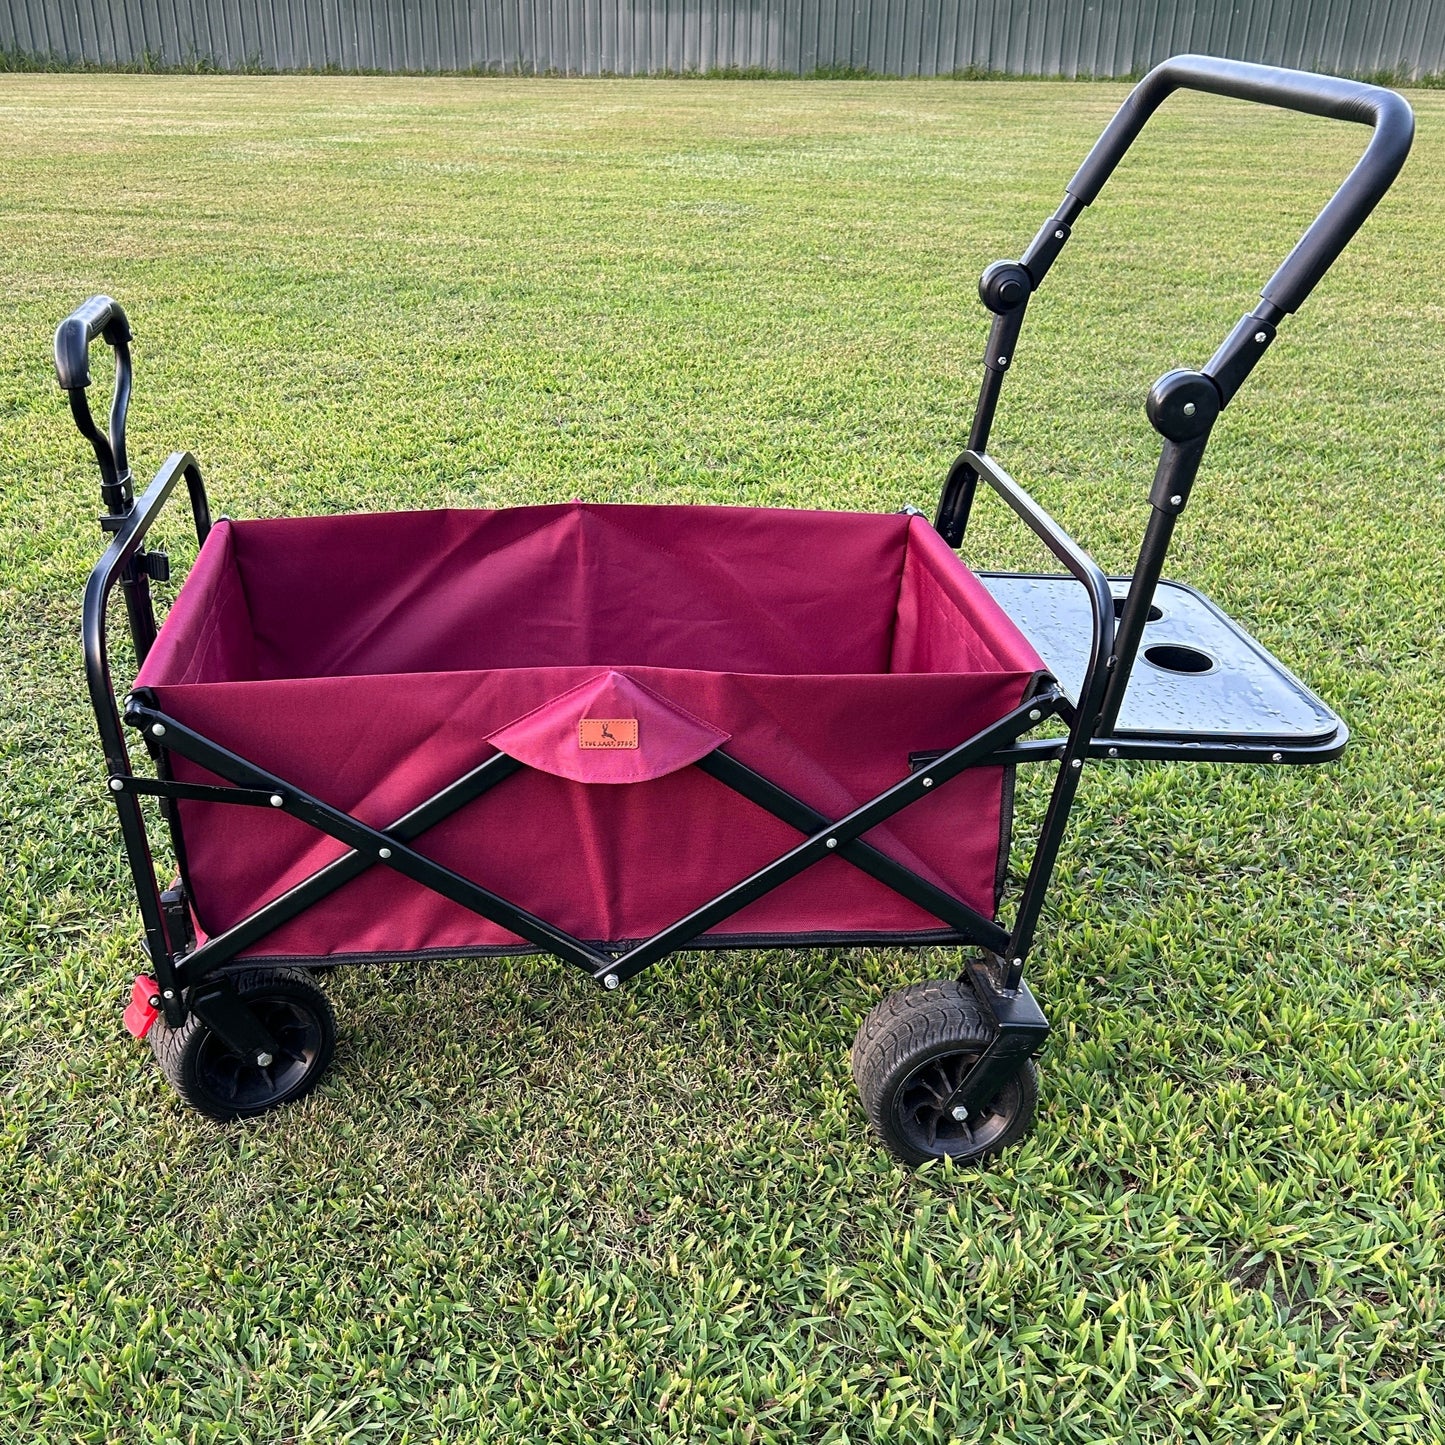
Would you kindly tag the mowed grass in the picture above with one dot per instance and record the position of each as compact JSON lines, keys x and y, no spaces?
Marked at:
{"x":520,"y":1209}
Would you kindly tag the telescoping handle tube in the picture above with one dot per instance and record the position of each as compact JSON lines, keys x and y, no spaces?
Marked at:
{"x":103,"y":317}
{"x":1006,"y":286}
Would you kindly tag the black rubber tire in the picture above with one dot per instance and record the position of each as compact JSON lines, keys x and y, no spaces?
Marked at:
{"x":912,"y":1049}
{"x":213,"y":1079}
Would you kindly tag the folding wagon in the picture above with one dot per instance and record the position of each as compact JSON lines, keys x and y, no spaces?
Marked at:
{"x":612,"y":732}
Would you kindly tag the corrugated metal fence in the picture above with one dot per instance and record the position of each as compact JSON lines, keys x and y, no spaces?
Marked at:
{"x":800,"y":37}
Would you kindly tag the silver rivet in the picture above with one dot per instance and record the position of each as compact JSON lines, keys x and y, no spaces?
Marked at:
{"x":611,"y":981}
{"x":832,"y":843}
{"x":1113,"y":752}
{"x":1077,"y":763}
{"x":264,"y":1059}
{"x":1018,"y":963}
{"x":170,"y":993}
{"x":158,"y":730}
{"x":1176,"y":500}
{"x":277,"y":801}
{"x":1276,"y":757}
{"x":928,"y":782}
{"x":960,"y":1113}
{"x":117,"y":786}
{"x":1034,"y":714}
{"x":383,"y":852}
{"x":1188,"y":408}
{"x":1260,"y":337}
{"x":1058,"y":235}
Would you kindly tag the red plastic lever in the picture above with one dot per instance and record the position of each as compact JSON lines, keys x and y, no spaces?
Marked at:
{"x":144,"y":1007}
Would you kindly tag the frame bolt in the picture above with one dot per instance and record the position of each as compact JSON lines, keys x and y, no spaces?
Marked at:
{"x":1260,"y":337}
{"x":117,"y":785}
{"x":1077,"y":763}
{"x":1113,"y":752}
{"x":928,"y":782}
{"x":1034,"y":714}
{"x":158,"y":730}
{"x":1059,"y":235}
{"x":383,"y":852}
{"x":832,"y":843}
{"x":960,"y":1113}
{"x":1018,"y":963}
{"x":170,"y":993}
{"x":1276,"y":757}
{"x":264,"y":1059}
{"x":1003,"y":361}
{"x":1176,"y":500}
{"x":277,"y":800}
{"x":611,"y":981}
{"x":1188,"y":408}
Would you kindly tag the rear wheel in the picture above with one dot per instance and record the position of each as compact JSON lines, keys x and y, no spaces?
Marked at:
{"x":912,"y":1051}
{"x":223,"y":1084}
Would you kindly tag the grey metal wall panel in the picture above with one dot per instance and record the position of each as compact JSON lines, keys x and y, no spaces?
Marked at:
{"x":639,"y":37}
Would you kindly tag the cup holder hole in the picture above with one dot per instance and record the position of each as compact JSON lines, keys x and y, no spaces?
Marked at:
{"x":1154,"y":613}
{"x":1174,"y":657}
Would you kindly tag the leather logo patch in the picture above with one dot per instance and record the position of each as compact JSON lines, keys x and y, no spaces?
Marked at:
{"x":607,"y":732}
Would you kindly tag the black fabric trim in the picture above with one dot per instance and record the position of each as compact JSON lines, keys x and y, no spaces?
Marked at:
{"x":926,"y":938}
{"x":1005,"y":833}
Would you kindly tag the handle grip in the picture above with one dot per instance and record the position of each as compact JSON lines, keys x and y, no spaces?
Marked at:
{"x":1320,"y":246}
{"x":103,"y":317}
{"x":100,"y":316}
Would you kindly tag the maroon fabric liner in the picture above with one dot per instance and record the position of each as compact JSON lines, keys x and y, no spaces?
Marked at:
{"x":372,"y":660}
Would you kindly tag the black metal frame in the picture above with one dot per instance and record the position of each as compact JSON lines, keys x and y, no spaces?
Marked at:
{"x":1182,"y":406}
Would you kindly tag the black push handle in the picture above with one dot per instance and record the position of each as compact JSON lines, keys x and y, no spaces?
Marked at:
{"x":100,"y":316}
{"x":1326,"y":95}
{"x":103,"y":317}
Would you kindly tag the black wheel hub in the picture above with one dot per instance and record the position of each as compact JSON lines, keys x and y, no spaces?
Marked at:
{"x":238,"y":1082}
{"x":921,"y":1118}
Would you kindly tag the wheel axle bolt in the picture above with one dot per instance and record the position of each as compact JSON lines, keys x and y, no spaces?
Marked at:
{"x":264,"y":1059}
{"x":611,"y":981}
{"x":960,"y":1113}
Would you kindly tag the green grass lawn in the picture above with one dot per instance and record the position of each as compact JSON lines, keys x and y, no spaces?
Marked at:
{"x":522,"y":1209}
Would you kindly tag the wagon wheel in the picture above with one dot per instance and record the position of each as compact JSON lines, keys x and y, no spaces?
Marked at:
{"x":912,"y":1051}
{"x":222,"y":1084}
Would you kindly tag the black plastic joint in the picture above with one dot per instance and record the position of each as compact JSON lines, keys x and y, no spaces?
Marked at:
{"x":1005,"y":286}
{"x":1044,"y":249}
{"x":1232,"y":363}
{"x":177,"y":914}
{"x":1183,"y":405}
{"x":155,"y":565}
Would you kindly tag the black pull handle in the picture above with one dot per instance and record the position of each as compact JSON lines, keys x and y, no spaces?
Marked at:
{"x":103,"y":317}
{"x":100,"y":316}
{"x":1325,"y":95}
